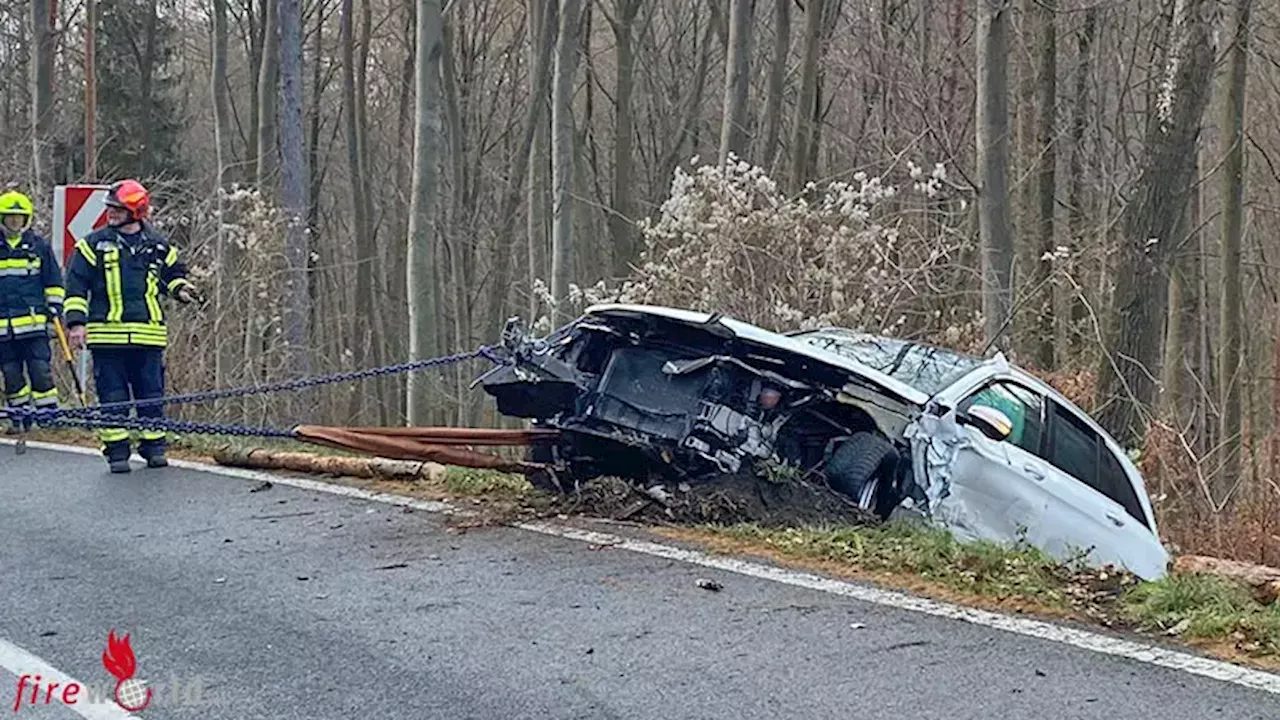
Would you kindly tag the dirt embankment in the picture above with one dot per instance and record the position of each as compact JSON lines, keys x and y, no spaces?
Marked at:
{"x":722,"y":500}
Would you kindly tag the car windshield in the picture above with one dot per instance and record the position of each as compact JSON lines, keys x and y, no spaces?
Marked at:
{"x":926,"y":368}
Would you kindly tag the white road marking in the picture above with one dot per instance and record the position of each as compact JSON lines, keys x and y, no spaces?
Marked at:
{"x":20,"y":663}
{"x":1083,"y":639}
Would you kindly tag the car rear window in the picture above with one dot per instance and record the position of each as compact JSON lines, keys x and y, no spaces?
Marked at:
{"x":1078,"y":451}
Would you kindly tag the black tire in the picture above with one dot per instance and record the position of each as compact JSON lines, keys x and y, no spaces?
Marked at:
{"x":862,"y":466}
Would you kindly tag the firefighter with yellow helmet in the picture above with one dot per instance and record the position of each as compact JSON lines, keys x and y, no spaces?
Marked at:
{"x":31,"y":296}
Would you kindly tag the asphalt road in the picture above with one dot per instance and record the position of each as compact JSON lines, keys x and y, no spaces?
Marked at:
{"x":289,"y":603}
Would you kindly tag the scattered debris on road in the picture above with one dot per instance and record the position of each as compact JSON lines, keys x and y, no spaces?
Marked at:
{"x":708,"y":584}
{"x":264,"y":485}
{"x":393,"y":566}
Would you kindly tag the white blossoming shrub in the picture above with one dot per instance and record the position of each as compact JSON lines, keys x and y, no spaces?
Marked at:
{"x":858,"y":254}
{"x":246,"y":315}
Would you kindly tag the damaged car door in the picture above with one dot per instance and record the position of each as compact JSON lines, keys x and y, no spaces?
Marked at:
{"x":1051,"y":476}
{"x":991,"y":488}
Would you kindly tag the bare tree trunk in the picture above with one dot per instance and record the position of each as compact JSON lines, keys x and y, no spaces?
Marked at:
{"x":398,"y":344}
{"x":362,"y":124}
{"x":993,"y":163}
{"x":91,"y":91}
{"x":355,"y":162}
{"x":541,"y":12}
{"x":377,"y":280}
{"x":44,"y":35}
{"x":461,"y":208}
{"x":1206,"y":435}
{"x":293,"y":186}
{"x":1046,"y":187}
{"x":423,"y":314}
{"x":1174,"y":332}
{"x":737,"y":81}
{"x":1078,"y":217}
{"x":1229,"y":366}
{"x":1151,"y":221}
{"x":268,"y":91}
{"x":1275,"y":392}
{"x":831,"y":10}
{"x":562,"y":157}
{"x":362,"y":337}
{"x":511,"y":203}
{"x":806,"y":103}
{"x":227,"y":256}
{"x":257,"y":33}
{"x":315,"y":172}
{"x":621,"y":217}
{"x":777,"y":78}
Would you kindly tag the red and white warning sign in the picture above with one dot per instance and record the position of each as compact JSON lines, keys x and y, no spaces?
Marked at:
{"x":77,"y":211}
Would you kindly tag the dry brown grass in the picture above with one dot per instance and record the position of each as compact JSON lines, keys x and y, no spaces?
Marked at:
{"x":1248,"y":529}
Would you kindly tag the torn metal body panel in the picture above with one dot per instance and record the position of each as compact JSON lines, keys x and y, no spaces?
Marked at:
{"x":976,"y":445}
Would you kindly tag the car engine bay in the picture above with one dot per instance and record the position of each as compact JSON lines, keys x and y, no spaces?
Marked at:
{"x":654,"y":399}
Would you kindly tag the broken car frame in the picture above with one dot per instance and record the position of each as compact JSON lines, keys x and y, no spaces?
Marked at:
{"x":980,"y":446}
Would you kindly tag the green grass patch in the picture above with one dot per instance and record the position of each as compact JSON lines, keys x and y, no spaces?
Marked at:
{"x":491,"y":483}
{"x":1193,"y":607}
{"x":983,"y":568}
{"x":1204,"y":607}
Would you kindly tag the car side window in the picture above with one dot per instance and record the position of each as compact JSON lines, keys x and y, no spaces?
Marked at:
{"x":1074,"y":449}
{"x":1111,"y":475}
{"x":1024,"y":408}
{"x":1078,"y":451}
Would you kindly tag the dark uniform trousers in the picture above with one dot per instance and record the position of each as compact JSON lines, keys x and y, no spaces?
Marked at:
{"x":33,"y":355}
{"x":130,"y":373}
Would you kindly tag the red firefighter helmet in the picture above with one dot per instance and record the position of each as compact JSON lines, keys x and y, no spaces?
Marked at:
{"x":132,"y":196}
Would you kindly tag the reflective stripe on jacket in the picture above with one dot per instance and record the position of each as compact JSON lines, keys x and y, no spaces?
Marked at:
{"x":114,"y":286}
{"x":30,"y":283}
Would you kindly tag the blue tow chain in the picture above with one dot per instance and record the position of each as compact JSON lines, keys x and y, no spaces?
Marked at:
{"x":170,"y":425}
{"x":100,"y":415}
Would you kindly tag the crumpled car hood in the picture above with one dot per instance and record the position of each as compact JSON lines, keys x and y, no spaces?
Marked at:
{"x":892,"y":386}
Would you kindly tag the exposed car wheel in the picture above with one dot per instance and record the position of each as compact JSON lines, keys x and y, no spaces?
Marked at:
{"x":862,"y":466}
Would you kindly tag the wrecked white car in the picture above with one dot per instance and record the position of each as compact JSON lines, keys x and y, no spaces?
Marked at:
{"x":980,"y":446}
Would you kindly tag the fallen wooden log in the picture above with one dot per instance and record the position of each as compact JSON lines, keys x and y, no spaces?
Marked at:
{"x":363,"y":467}
{"x":1263,"y":581}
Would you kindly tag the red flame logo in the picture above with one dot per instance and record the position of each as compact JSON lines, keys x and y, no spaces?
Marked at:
{"x":120,"y":662}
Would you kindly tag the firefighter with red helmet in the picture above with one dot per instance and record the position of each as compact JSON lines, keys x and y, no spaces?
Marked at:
{"x":115,"y":280}
{"x":31,"y":296}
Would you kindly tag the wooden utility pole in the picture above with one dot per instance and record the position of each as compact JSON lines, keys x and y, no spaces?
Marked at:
{"x":43,"y":23}
{"x":90,"y":92}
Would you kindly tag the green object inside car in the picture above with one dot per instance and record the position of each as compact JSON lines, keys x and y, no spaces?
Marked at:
{"x":993,"y":397}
